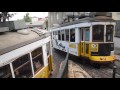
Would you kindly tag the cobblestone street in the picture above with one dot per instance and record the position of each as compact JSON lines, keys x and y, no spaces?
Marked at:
{"x":105,"y":71}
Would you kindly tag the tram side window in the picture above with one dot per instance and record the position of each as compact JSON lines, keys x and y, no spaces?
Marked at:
{"x":98,"y":33}
{"x":72,"y":35}
{"x":67,"y":34}
{"x":37,"y":58}
{"x":87,"y":34}
{"x":59,"y":35}
{"x":48,"y":48}
{"x":5,"y":72}
{"x":22,"y":67}
{"x":109,"y":33}
{"x":63,"y":33}
{"x":55,"y":32}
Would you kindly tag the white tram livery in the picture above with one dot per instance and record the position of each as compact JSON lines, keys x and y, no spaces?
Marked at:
{"x":87,"y":37}
{"x":25,"y":54}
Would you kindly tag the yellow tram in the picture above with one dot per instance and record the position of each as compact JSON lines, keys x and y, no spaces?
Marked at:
{"x":87,"y":37}
{"x":25,"y":54}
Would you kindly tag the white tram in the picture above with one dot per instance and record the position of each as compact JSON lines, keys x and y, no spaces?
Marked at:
{"x":25,"y":54}
{"x":87,"y":37}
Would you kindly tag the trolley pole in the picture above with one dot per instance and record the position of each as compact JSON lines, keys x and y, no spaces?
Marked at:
{"x":114,"y":71}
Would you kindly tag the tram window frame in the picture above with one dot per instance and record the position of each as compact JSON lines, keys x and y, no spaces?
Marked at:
{"x":72,"y":40}
{"x":81,"y":33}
{"x":6,"y":73}
{"x":59,"y":35}
{"x":67,"y":32}
{"x":99,"y":36}
{"x":63,"y":35}
{"x":37,"y":67}
{"x":48,"y":48}
{"x":109,"y":33}
{"x":22,"y":67}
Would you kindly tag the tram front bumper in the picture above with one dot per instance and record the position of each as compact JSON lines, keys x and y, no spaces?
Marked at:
{"x":103,"y":58}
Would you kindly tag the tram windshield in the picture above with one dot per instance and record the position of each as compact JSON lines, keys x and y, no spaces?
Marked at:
{"x":98,"y":33}
{"x":109,"y":33}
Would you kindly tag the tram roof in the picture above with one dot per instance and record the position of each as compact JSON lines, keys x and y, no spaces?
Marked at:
{"x":88,"y":19}
{"x":13,"y":40}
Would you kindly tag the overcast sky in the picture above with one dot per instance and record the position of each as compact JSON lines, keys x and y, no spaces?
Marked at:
{"x":20,"y":15}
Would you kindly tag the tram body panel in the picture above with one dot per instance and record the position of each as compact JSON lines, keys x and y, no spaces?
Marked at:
{"x":40,"y":69}
{"x":44,"y":73}
{"x":5,"y":58}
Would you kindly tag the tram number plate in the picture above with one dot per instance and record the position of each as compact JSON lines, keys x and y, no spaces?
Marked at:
{"x":72,"y":45}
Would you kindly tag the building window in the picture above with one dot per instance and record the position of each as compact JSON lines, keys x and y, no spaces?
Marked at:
{"x":48,"y":48}
{"x":63,"y":33}
{"x":72,"y":35}
{"x":5,"y":72}
{"x":51,"y":17}
{"x":22,"y":67}
{"x":59,"y":35}
{"x":67,"y":34}
{"x":109,"y":33}
{"x":37,"y":58}
{"x":98,"y":33}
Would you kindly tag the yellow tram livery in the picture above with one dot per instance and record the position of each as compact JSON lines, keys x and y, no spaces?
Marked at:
{"x":25,"y":54}
{"x":87,"y":37}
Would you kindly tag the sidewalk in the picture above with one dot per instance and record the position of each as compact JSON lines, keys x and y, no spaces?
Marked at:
{"x":75,"y":71}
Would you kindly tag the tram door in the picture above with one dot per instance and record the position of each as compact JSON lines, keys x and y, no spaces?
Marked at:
{"x":85,"y":38}
{"x":82,"y":38}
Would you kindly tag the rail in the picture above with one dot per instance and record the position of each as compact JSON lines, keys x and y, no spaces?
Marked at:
{"x":63,"y":72}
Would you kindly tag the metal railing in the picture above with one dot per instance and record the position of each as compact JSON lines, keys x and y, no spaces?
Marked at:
{"x":116,"y":70}
{"x":63,"y":72}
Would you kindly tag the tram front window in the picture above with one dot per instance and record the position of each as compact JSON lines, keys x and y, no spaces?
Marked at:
{"x":98,"y":33}
{"x":5,"y":72}
{"x":109,"y":33}
{"x":22,"y":67}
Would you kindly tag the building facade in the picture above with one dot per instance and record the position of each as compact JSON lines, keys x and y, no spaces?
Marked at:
{"x":116,"y":16}
{"x":56,"y":18}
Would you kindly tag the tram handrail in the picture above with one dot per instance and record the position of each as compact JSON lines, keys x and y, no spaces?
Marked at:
{"x":63,"y":72}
